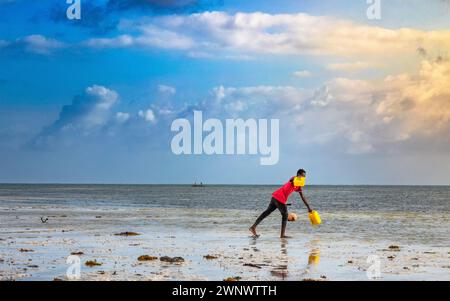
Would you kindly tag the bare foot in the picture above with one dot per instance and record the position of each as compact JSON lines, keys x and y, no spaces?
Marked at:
{"x":253,"y":230}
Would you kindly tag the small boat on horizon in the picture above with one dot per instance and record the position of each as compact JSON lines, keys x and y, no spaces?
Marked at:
{"x":198,"y":185}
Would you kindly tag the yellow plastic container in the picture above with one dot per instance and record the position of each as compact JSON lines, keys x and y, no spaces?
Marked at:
{"x":314,"y":258}
{"x":314,"y":217}
{"x":299,"y":181}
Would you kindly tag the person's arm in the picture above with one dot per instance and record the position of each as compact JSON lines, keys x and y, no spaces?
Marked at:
{"x":305,"y":201}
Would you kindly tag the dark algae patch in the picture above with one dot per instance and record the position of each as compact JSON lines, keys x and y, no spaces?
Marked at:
{"x":233,"y":278}
{"x":127,"y":234}
{"x":172,"y":259}
{"x":25,"y":250}
{"x":147,"y":258}
{"x":92,"y":263}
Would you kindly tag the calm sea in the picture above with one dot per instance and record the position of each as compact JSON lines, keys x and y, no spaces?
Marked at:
{"x":415,"y":214}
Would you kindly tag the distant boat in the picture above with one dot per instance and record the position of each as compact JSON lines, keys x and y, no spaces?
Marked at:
{"x":198,"y":185}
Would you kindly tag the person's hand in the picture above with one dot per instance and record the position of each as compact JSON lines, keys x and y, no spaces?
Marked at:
{"x":310,"y":210}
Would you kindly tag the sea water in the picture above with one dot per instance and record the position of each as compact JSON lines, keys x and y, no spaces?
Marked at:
{"x":401,"y":214}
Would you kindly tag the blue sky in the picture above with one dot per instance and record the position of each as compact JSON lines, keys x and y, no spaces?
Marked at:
{"x":91,"y":101}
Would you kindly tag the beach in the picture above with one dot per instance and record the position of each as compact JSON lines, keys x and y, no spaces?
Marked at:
{"x":112,"y":226}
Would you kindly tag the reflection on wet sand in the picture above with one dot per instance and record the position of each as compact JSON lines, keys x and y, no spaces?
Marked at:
{"x":281,"y":270}
{"x":314,"y":257}
{"x":311,"y":269}
{"x":314,"y":253}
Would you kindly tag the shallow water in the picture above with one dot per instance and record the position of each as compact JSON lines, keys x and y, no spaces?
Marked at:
{"x":358,"y":221}
{"x":418,"y":215}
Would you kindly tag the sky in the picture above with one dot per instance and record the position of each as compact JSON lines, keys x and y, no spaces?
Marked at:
{"x":359,"y":100}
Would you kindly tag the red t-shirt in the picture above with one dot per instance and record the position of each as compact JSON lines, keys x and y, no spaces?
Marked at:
{"x":282,"y":194}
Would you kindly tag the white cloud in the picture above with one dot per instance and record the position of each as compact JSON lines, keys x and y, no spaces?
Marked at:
{"x":354,"y":116}
{"x":261,"y":33}
{"x":106,"y":98}
{"x":89,"y":111}
{"x":352,"y":66}
{"x":258,"y":100}
{"x":165,"y":112}
{"x":147,"y":115}
{"x":302,"y":73}
{"x":40,"y":44}
{"x":165,"y":89}
{"x":117,"y":42}
{"x":150,"y":37}
{"x":93,"y":115}
{"x":122,"y":117}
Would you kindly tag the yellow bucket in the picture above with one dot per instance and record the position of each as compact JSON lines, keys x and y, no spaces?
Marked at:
{"x":314,"y":217}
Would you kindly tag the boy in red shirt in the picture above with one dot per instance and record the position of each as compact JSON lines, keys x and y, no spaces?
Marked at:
{"x":278,"y":201}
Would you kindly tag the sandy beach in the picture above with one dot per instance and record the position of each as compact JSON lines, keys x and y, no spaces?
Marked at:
{"x":214,"y":245}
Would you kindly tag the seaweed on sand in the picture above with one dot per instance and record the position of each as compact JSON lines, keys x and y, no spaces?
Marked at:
{"x":172,"y":259}
{"x":394,"y":248}
{"x":252,"y":265}
{"x":127,"y":234}
{"x":146,"y":258}
{"x":231,"y":279}
{"x":26,"y":250}
{"x":92,"y":263}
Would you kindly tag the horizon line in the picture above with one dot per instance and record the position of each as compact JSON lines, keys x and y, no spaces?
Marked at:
{"x":213,"y":184}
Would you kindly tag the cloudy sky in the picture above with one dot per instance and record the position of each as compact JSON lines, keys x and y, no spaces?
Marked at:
{"x":360,"y":101}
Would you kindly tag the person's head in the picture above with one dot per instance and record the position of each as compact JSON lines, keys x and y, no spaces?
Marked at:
{"x":301,"y":173}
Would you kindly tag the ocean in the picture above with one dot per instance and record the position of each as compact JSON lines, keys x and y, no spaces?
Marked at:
{"x":402,"y":214}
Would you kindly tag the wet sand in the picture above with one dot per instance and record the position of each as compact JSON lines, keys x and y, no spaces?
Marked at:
{"x":33,"y":250}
